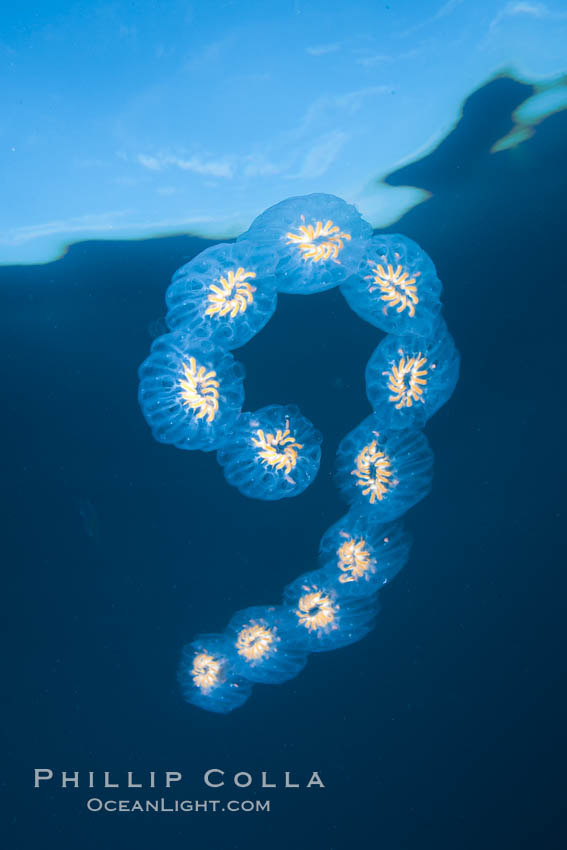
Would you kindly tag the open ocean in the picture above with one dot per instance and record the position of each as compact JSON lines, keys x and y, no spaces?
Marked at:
{"x":443,"y":728}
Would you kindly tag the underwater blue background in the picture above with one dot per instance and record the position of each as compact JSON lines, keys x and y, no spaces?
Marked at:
{"x":441,"y":729}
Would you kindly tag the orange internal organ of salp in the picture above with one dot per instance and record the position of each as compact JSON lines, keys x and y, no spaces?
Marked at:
{"x":277,"y":450}
{"x":205,"y":671}
{"x":254,"y":641}
{"x":199,"y":390}
{"x":397,"y":288}
{"x":373,"y":471}
{"x":406,"y":380}
{"x":318,"y":242}
{"x":353,"y":560}
{"x":232,"y":296}
{"x":315,"y":610}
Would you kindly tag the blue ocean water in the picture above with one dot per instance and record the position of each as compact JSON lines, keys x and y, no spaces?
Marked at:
{"x":442,"y":728}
